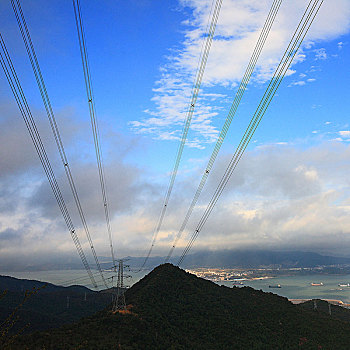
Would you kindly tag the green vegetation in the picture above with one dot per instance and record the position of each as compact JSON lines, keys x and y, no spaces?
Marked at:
{"x":47,"y":307}
{"x":172,"y":309}
{"x":337,"y":312}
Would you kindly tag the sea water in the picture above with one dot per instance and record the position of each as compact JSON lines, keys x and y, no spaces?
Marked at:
{"x":299,"y":287}
{"x":75,"y":277}
{"x":292,"y":287}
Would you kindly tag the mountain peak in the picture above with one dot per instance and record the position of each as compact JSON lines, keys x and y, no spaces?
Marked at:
{"x":173,"y":309}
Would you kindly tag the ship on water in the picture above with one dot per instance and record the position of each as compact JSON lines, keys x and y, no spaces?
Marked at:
{"x":344,"y":284}
{"x":275,"y":286}
{"x":317,"y":284}
{"x":237,"y":283}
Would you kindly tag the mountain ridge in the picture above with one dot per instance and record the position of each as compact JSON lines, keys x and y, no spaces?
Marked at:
{"x":173,"y":309}
{"x":249,"y":259}
{"x":48,"y":305}
{"x":226,"y":258}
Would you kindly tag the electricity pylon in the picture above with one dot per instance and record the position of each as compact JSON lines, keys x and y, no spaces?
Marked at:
{"x":119,"y":303}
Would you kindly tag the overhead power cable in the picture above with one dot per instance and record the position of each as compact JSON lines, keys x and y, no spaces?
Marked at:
{"x":195,"y":91}
{"x":288,"y":56}
{"x":18,"y":93}
{"x":94,"y":124}
{"x":239,"y":94}
{"x":83,"y":278}
{"x":50,"y":114}
{"x":75,"y":280}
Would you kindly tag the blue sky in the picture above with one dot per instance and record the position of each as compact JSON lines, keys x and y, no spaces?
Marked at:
{"x":291,"y":190}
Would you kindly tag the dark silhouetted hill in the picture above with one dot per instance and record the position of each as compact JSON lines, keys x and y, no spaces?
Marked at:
{"x":172,"y":309}
{"x":13,"y":284}
{"x":322,"y":306}
{"x":51,"y":307}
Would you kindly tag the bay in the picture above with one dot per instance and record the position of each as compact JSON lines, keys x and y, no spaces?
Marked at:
{"x":292,"y":287}
{"x":299,"y":287}
{"x":74,"y":277}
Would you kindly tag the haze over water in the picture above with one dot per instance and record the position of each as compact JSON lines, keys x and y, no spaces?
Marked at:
{"x":293,"y":287}
{"x":299,"y":287}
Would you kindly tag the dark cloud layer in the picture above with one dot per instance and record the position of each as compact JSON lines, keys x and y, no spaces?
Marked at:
{"x":278,"y":197}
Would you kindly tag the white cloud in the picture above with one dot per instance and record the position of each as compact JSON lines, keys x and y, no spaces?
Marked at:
{"x":301,"y":82}
{"x":298,"y":83}
{"x":277,"y":197}
{"x":279,"y":194}
{"x":283,"y":197}
{"x":237,"y":30}
{"x":320,"y":54}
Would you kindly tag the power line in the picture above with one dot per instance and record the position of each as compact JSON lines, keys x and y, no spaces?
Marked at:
{"x":288,"y":56}
{"x":239,"y":94}
{"x":269,"y":93}
{"x":195,"y":90}
{"x":83,"y":278}
{"x":18,"y":93}
{"x":50,"y":114}
{"x":94,"y":124}
{"x":78,"y":279}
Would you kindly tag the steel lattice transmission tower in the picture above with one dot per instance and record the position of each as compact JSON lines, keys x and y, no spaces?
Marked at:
{"x":119,"y":303}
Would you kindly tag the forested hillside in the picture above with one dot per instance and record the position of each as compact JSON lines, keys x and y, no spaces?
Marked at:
{"x":172,"y":309}
{"x":46,"y":305}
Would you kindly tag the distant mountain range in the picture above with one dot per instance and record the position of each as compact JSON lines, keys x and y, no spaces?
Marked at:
{"x":249,"y":259}
{"x":172,"y":309}
{"x":12,"y":284}
{"x":218,"y":258}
